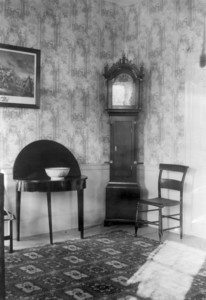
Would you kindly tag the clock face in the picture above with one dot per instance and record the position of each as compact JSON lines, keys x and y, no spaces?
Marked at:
{"x":123,"y":91}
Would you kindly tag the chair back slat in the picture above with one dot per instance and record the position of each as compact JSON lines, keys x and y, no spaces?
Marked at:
{"x":173,"y":167}
{"x":2,"y":264}
{"x":171,"y":184}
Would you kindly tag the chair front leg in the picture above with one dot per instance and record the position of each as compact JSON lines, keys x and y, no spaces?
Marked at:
{"x":11,"y":236}
{"x":160,"y":225}
{"x":137,"y":218}
{"x":181,"y":221}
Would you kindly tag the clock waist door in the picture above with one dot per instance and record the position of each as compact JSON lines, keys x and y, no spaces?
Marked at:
{"x":123,"y":166}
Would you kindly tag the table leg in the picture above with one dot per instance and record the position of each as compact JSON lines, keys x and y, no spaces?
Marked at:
{"x":50,"y":216}
{"x":80,"y":195}
{"x":18,"y":210}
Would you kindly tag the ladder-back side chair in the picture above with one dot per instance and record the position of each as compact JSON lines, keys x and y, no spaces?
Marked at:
{"x":166,"y":181}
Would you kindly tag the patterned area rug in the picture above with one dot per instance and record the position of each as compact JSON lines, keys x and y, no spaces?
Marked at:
{"x":101,"y":267}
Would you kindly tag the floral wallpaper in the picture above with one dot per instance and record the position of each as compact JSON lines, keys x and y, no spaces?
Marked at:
{"x":76,"y":39}
{"x":164,"y":34}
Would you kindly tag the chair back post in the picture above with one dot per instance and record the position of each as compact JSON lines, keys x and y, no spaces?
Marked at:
{"x":2,"y":263}
{"x":159,"y":181}
{"x":183,"y":176}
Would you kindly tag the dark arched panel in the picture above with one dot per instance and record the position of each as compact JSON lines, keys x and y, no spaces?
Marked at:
{"x":36,"y":156}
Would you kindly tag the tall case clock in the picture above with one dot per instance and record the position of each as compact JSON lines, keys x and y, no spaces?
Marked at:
{"x":124,"y":82}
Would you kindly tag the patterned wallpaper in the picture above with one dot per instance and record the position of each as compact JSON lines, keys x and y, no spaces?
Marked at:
{"x":164,"y":34}
{"x":76,"y":39}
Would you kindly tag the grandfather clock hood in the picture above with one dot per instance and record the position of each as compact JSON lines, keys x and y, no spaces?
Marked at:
{"x":124,"y":86}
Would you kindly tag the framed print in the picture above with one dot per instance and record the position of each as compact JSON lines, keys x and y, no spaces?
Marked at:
{"x":19,"y":76}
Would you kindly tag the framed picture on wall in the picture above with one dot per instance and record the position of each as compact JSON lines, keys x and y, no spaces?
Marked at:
{"x":19,"y":76}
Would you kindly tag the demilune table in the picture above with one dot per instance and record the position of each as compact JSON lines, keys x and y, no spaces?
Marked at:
{"x":29,"y":173}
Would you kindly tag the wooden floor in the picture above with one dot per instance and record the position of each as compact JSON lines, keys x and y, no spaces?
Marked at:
{"x":149,"y":232}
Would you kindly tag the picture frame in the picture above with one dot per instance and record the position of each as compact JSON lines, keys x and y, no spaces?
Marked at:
{"x":19,"y":76}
